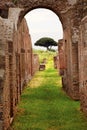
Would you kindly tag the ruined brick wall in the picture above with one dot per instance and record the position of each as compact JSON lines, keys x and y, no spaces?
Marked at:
{"x":35,"y":64}
{"x":14,"y":54}
{"x":15,"y":68}
{"x":73,"y":76}
{"x":82,"y":53}
{"x":24,"y":48}
{"x":62,"y":67}
{"x":71,"y":37}
{"x":6,"y":35}
{"x":61,"y":57}
{"x":68,"y":64}
{"x":56,"y":63}
{"x":67,"y":78}
{"x":22,"y":57}
{"x":83,"y":64}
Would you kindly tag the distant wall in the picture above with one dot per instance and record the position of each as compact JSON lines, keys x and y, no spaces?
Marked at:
{"x":35,"y":65}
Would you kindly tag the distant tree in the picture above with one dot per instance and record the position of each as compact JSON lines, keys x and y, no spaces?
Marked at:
{"x":46,"y":42}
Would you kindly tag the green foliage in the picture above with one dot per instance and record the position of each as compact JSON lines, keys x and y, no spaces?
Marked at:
{"x":46,"y":42}
{"x":44,"y":105}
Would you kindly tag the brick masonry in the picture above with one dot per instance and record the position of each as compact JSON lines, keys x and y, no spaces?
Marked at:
{"x":55,"y":59}
{"x":17,"y":64}
{"x":35,"y":64}
{"x":83,"y":64}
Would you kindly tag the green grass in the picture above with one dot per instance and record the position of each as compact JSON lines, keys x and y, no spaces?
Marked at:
{"x":45,"y":54}
{"x":45,"y":106}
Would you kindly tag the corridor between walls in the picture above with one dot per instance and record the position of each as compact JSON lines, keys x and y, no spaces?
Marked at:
{"x":45,"y":106}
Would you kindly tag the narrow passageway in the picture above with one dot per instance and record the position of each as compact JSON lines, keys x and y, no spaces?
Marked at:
{"x":45,"y":106}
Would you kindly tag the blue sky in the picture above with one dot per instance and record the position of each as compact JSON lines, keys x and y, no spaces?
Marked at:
{"x":43,"y":23}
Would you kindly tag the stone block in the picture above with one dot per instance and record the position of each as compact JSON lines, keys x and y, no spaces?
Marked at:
{"x":42,"y":67}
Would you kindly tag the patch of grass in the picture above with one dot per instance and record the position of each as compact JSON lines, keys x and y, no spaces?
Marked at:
{"x":45,"y":54}
{"x":45,"y":106}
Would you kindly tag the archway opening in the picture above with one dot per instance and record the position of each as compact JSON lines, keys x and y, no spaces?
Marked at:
{"x":37,"y":39}
{"x":44,"y":23}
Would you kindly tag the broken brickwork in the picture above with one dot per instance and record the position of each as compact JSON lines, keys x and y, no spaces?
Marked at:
{"x":83,"y":64}
{"x":16,"y":66}
{"x":55,"y":59}
{"x":61,"y":57}
{"x":35,"y":64}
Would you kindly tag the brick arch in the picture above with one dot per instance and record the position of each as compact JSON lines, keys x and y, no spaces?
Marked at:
{"x":50,"y":9}
{"x":59,"y":7}
{"x":67,"y":12}
{"x":24,"y":12}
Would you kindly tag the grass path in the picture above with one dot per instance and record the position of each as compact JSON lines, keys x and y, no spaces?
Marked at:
{"x":44,"y":106}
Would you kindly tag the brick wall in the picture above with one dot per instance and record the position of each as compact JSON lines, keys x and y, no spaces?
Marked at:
{"x":61,"y":57}
{"x":18,"y":63}
{"x":6,"y":27}
{"x":55,"y":59}
{"x":16,"y":67}
{"x":68,"y":64}
{"x":83,"y":64}
{"x":35,"y":64}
